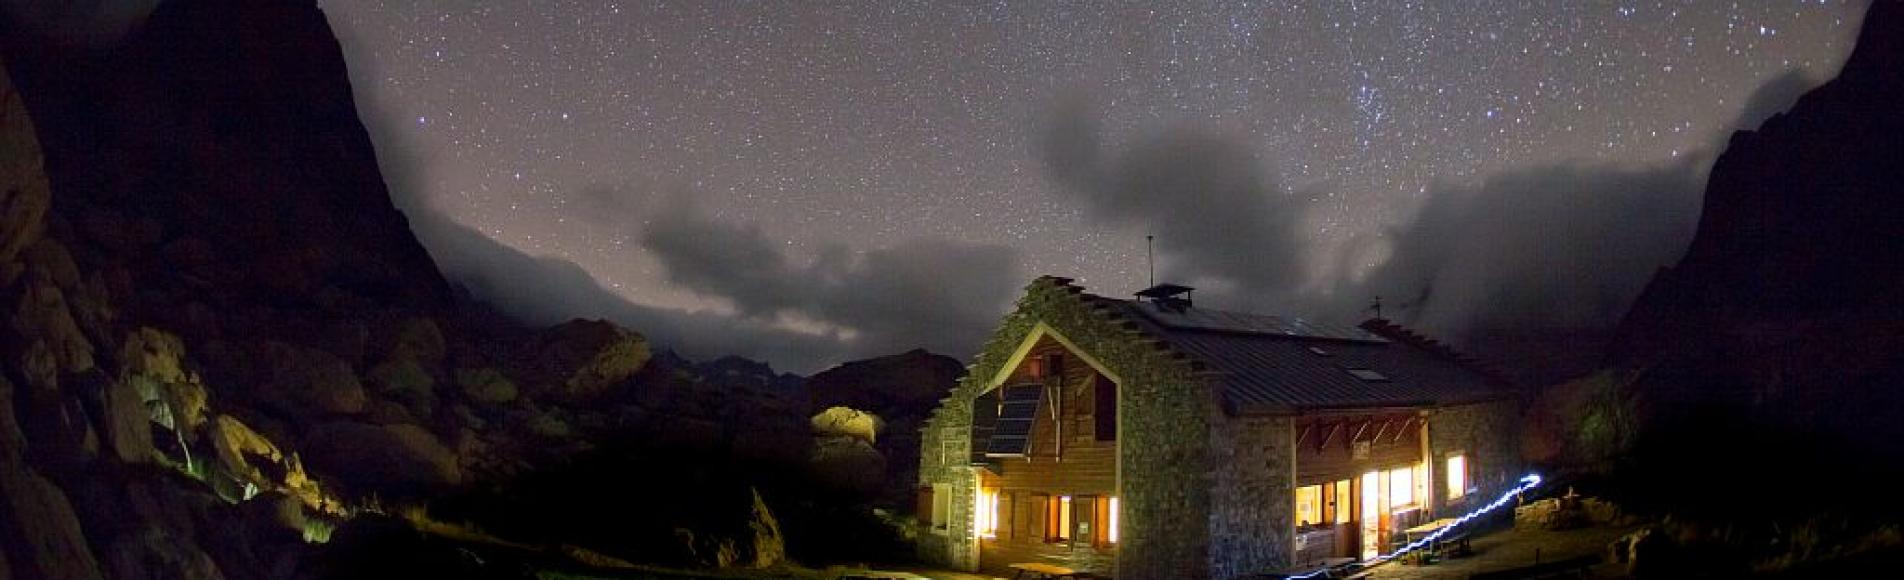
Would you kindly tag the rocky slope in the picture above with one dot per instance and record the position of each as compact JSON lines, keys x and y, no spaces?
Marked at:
{"x":224,"y":346}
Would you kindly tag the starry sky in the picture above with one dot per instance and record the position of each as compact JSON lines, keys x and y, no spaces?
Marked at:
{"x":692,"y":157}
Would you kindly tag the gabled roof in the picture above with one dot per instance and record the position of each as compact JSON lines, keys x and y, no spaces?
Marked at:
{"x":1277,"y":364}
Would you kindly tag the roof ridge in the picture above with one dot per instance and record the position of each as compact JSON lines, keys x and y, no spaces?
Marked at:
{"x":1389,"y":329}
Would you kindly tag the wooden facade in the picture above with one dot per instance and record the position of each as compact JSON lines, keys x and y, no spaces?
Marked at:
{"x":1334,"y":452}
{"x":1072,"y":454}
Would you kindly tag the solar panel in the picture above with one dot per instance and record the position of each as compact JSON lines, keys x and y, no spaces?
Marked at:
{"x":1017,"y":409}
{"x":1243,"y":322}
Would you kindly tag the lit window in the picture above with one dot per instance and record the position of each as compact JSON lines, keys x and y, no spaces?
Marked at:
{"x":1340,"y":503}
{"x":985,"y":514}
{"x":1113,"y":518}
{"x":1457,"y":476}
{"x":1308,"y":505}
{"x":1064,"y":518}
{"x":1058,"y":519}
{"x":1401,"y":487}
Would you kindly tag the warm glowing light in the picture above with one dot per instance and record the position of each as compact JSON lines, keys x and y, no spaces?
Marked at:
{"x":985,"y":514}
{"x":1401,"y":487}
{"x":1527,"y":482}
{"x":1113,"y":528}
{"x":1457,"y":476}
{"x":1308,"y":505}
{"x":1064,"y":518}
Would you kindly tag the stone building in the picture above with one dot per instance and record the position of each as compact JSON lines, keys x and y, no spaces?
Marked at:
{"x":1152,"y":439}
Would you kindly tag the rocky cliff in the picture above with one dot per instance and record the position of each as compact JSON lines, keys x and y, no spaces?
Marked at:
{"x":1775,"y":338}
{"x":224,"y":345}
{"x":1788,"y":293}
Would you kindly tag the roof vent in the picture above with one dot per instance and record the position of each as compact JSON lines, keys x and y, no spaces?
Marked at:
{"x":1168,"y":297}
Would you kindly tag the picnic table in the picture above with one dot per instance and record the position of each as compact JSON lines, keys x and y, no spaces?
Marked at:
{"x":1038,"y":571}
{"x":1458,"y":539}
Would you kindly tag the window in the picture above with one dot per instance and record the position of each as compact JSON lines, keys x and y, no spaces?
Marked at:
{"x":1401,"y":487}
{"x":1105,"y":408}
{"x":1007,"y":515}
{"x":941,"y":507}
{"x":1334,"y":503}
{"x":1308,"y":505}
{"x":1058,"y":519}
{"x":985,"y":514}
{"x":1457,"y":476}
{"x":1110,"y":530}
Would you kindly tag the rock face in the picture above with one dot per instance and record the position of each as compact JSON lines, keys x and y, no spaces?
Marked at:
{"x":1777,"y":334}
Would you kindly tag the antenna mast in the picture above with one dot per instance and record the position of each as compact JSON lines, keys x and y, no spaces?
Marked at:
{"x":1149,"y":259}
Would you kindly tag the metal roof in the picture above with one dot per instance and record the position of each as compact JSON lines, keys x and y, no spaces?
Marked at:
{"x":1269,"y":363}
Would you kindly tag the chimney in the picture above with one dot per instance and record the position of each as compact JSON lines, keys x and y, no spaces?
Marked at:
{"x":1168,"y":297}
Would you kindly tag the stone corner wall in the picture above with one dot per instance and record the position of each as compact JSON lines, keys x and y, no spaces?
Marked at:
{"x":1488,"y":434}
{"x":945,"y":450}
{"x":1252,"y":511}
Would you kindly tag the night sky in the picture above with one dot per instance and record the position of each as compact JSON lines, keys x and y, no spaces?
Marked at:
{"x":784,"y":164}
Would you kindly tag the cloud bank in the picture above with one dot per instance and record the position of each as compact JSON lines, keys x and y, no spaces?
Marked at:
{"x":1545,"y":246}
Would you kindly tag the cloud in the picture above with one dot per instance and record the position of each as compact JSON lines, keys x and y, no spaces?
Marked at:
{"x":1560,"y":245}
{"x":939,"y":294}
{"x":1214,"y":211}
{"x":1555,"y":246}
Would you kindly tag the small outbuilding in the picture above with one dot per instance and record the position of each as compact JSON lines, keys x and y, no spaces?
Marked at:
{"x":1150,"y":438}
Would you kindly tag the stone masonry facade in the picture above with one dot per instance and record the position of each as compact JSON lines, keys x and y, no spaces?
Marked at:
{"x":1485,"y":433}
{"x":1166,"y":409}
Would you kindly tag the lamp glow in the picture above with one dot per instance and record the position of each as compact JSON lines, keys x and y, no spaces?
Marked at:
{"x":1528,"y":482}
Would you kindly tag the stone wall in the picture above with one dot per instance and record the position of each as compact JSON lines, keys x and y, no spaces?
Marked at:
{"x":1252,"y":511}
{"x":1488,"y":434}
{"x":945,"y":458}
{"x":1164,"y":412}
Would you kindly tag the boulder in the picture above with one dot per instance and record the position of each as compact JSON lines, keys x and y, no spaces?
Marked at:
{"x":404,"y":380}
{"x":43,"y":536}
{"x":418,"y":339}
{"x":848,"y":422}
{"x":397,"y":456}
{"x":156,"y":555}
{"x":486,"y":386}
{"x":128,"y":425}
{"x":308,"y":379}
{"x":581,"y":359}
{"x":42,"y":314}
{"x":24,"y":197}
{"x":12,"y":439}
